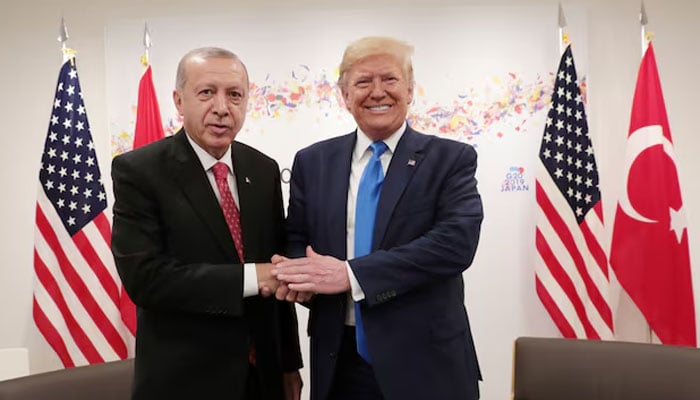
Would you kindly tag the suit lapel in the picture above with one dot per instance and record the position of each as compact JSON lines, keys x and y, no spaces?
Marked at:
{"x":243,"y":168}
{"x":338,"y":162}
{"x":405,"y":161}
{"x":192,"y":180}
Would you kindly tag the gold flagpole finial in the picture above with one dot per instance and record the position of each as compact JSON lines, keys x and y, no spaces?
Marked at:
{"x":146,"y":45}
{"x":68,"y":53}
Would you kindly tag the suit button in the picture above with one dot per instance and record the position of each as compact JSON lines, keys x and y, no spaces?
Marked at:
{"x":332,"y":355}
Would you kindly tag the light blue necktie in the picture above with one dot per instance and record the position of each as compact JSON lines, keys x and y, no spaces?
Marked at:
{"x":365,"y":212}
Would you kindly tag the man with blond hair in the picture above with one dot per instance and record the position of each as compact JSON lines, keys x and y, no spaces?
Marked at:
{"x":381,"y":224}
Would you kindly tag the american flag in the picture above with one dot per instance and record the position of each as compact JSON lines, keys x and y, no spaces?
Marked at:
{"x":76,"y":297}
{"x":571,"y":266}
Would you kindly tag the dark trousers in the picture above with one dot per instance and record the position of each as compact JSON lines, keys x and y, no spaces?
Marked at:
{"x":354,"y":377}
{"x":252,"y":387}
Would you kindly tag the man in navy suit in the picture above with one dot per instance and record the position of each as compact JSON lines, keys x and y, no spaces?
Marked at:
{"x":204,"y":332}
{"x":413,"y":339}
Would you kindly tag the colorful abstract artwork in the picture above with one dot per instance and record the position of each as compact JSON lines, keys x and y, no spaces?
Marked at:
{"x":501,"y":106}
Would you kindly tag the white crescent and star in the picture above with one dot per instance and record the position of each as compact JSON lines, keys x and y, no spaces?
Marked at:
{"x":639,"y":141}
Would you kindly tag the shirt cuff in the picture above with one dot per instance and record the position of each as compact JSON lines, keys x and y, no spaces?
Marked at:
{"x":356,"y":290}
{"x":250,"y":280}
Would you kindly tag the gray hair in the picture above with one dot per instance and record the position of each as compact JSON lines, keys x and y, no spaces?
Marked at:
{"x":203,"y":53}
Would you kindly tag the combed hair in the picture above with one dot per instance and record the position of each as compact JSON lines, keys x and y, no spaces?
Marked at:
{"x":376,"y":45}
{"x":204,"y":53}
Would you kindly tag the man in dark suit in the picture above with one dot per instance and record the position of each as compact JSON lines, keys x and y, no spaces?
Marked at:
{"x":197,"y":217}
{"x":404,"y":290}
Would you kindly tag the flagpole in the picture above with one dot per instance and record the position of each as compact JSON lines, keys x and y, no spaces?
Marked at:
{"x":145,"y":59}
{"x":563,"y":37}
{"x":646,"y":39}
{"x":643,"y":21}
{"x":68,"y":53}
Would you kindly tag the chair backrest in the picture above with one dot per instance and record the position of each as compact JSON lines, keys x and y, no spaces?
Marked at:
{"x":557,"y":369}
{"x":14,"y":362}
{"x":108,"y":381}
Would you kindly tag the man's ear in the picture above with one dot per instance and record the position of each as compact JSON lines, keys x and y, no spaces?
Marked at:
{"x":344,"y":92}
{"x":177,"y":99}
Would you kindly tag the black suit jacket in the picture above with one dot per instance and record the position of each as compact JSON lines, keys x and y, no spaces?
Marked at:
{"x":178,"y":262}
{"x":425,"y":235}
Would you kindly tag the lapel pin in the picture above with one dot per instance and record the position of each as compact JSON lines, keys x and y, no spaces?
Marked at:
{"x":247,"y":180}
{"x":411,"y":163}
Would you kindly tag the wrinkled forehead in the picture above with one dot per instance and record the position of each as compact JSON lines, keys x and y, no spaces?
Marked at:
{"x":210,"y":66}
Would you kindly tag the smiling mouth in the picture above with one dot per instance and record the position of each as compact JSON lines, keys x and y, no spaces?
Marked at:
{"x":379,"y":108}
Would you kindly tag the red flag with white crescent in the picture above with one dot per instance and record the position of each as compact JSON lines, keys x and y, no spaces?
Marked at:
{"x":649,"y":251}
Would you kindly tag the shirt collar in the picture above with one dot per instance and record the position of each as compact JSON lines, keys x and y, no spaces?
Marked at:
{"x":207,"y":159}
{"x":362,"y":143}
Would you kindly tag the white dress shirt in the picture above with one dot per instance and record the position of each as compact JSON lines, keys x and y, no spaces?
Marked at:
{"x":250,"y":275}
{"x":360,"y":157}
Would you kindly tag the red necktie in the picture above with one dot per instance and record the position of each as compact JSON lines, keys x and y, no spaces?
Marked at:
{"x":233,"y":218}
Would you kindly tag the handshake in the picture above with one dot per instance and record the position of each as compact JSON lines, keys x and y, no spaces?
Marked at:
{"x":299,"y":279}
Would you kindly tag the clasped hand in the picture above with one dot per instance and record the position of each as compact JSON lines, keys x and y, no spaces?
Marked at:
{"x":299,"y":279}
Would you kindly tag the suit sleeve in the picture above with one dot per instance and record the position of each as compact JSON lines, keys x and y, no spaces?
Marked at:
{"x":289,"y":331}
{"x":155,"y":273}
{"x":433,"y":241}
{"x":289,"y":327}
{"x":297,"y":237}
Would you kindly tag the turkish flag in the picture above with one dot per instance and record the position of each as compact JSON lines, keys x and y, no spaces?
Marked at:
{"x":649,"y":251}
{"x":149,"y":128}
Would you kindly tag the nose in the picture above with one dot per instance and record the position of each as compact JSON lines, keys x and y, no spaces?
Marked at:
{"x":377,"y":89}
{"x":220,"y":106}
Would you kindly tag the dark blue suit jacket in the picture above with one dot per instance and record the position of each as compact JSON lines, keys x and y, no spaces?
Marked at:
{"x":425,"y":235}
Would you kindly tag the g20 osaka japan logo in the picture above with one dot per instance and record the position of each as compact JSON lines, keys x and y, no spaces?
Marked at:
{"x":515,"y":180}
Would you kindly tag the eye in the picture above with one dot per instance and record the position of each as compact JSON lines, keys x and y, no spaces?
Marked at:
{"x":391,"y":79}
{"x":235,"y":94}
{"x":205,"y":93}
{"x":362,"y":83}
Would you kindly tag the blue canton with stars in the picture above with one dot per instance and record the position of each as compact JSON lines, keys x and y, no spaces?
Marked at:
{"x":69,"y":174}
{"x":566,"y":150}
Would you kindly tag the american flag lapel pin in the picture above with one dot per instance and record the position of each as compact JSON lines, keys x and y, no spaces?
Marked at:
{"x":411,"y":163}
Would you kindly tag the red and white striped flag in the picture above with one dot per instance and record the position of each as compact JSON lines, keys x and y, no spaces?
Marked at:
{"x":649,"y":251}
{"x":571,"y":268}
{"x":76,"y":298}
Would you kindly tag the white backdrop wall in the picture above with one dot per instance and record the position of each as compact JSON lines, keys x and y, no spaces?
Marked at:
{"x":463,"y":48}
